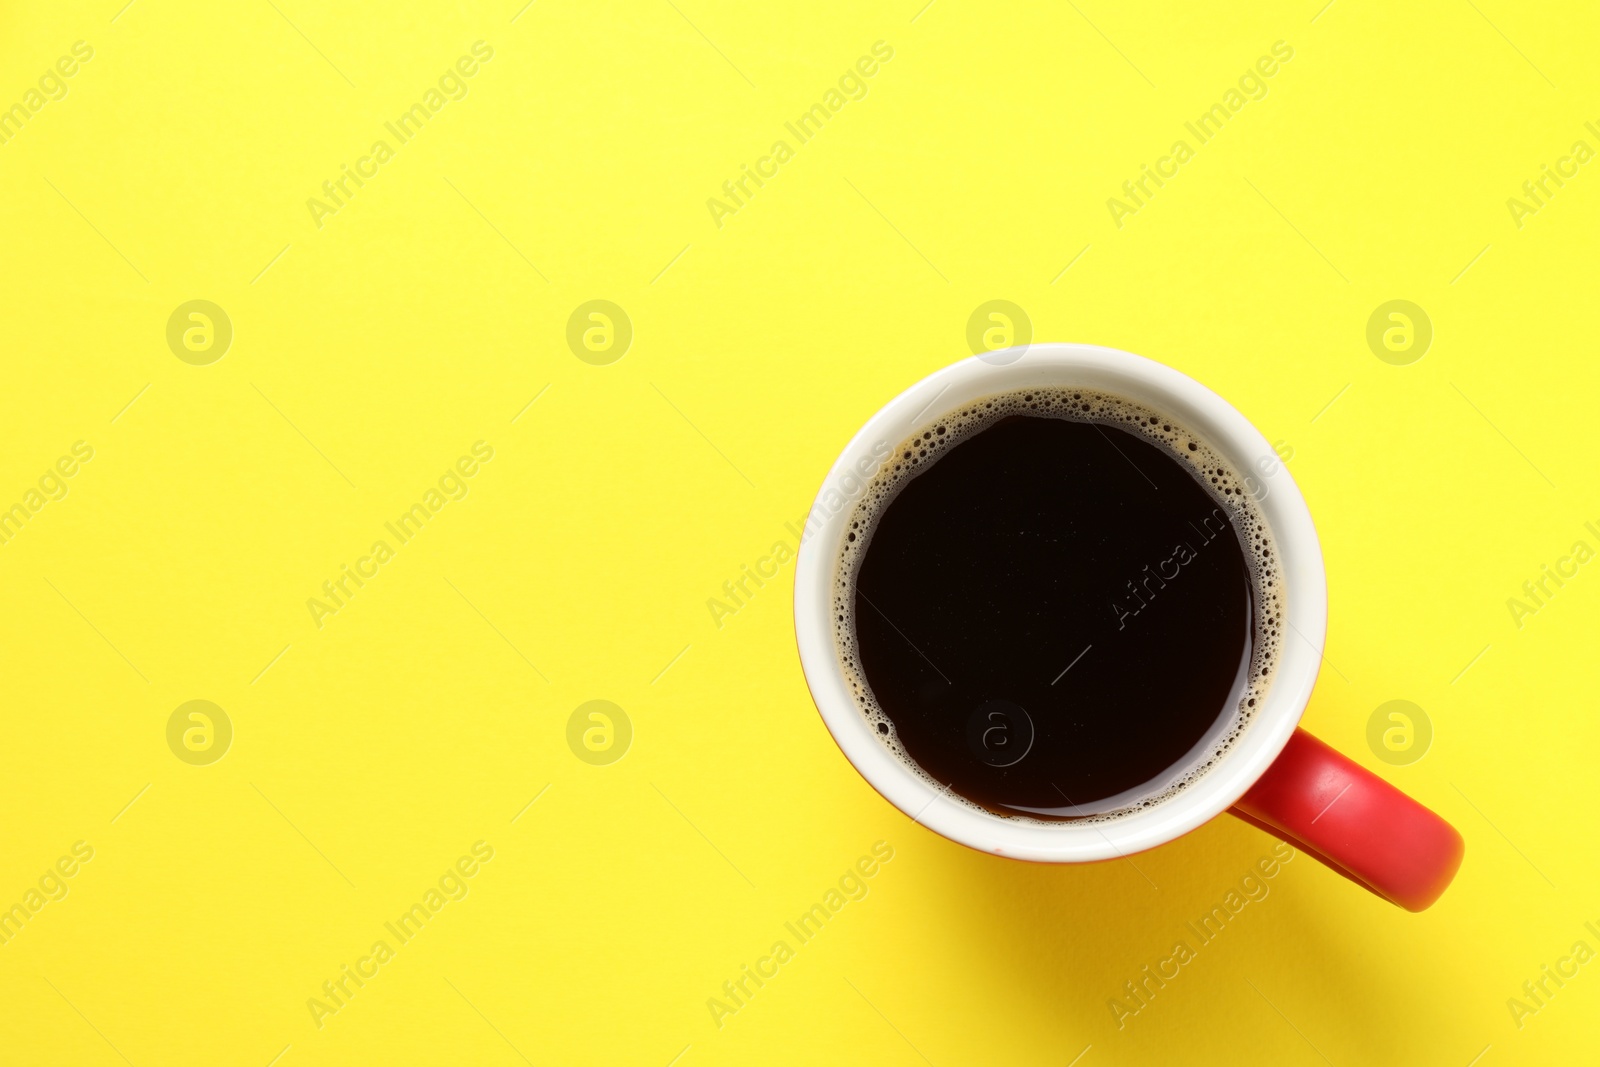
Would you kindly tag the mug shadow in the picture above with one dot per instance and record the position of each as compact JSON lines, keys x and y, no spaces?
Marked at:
{"x":1062,"y":942}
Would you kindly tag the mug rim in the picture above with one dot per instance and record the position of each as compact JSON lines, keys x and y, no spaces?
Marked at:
{"x":1199,"y":410}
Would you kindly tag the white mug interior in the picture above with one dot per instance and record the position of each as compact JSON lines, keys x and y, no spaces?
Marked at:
{"x":1198,"y":410}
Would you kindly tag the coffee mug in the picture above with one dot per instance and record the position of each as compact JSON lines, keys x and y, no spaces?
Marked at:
{"x":1274,"y":775}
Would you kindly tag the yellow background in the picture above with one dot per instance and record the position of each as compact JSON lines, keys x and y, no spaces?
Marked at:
{"x":370,"y":353}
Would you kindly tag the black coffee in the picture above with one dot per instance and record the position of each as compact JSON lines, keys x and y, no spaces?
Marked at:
{"x":1061,"y":614}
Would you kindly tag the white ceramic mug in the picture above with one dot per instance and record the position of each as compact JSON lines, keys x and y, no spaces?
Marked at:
{"x":1273,"y":775}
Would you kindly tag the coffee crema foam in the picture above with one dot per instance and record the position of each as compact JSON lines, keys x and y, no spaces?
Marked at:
{"x":923,"y":448}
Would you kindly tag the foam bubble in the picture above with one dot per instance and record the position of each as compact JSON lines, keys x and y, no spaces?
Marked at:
{"x":921,"y":449}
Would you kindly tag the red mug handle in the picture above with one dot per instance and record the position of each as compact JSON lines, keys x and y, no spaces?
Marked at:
{"x":1355,"y":822}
